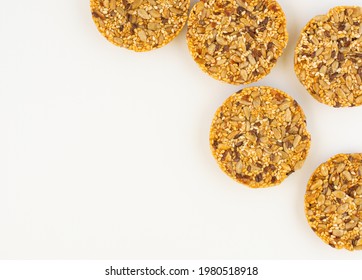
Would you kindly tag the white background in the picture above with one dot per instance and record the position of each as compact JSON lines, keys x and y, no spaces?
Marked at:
{"x":104,"y":152}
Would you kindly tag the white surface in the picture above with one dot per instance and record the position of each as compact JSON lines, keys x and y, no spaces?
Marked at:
{"x":104,"y":152}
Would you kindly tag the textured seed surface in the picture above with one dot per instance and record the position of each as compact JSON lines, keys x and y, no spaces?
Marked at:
{"x":140,"y":25}
{"x":253,"y":142}
{"x":328,"y":57}
{"x":247,"y":35}
{"x":336,"y":217}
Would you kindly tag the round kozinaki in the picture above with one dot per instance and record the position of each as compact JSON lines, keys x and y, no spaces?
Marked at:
{"x":237,"y":41}
{"x":328,"y":57}
{"x":140,"y":25}
{"x":259,"y":136}
{"x":333,"y":201}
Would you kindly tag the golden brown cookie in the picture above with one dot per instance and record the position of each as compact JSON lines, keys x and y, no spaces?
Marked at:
{"x":237,"y":41}
{"x":140,"y":25}
{"x":259,"y":136}
{"x":328,"y":57}
{"x":333,"y":201}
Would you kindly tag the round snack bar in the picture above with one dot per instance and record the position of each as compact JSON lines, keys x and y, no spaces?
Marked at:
{"x":139,"y":25}
{"x":259,"y":136}
{"x":333,"y":201}
{"x":328,"y":57}
{"x":237,"y":41}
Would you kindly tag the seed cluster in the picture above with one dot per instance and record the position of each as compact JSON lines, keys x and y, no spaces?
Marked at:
{"x":237,"y":41}
{"x":328,"y":57}
{"x":259,"y":136}
{"x":140,"y":25}
{"x":333,"y":201}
